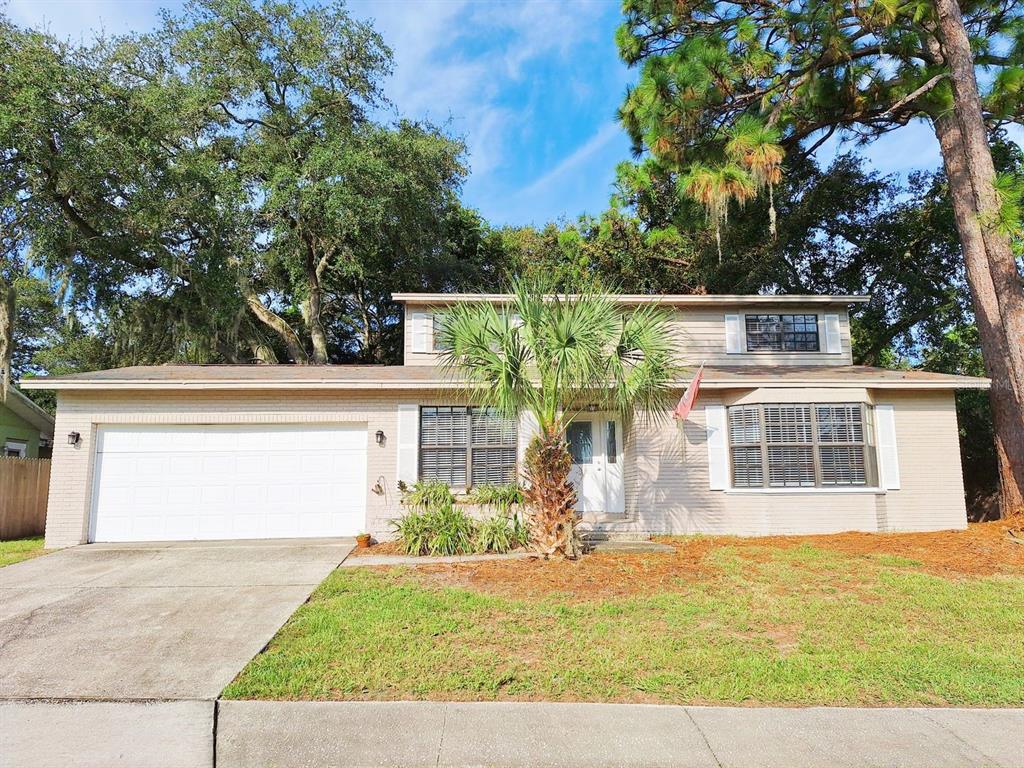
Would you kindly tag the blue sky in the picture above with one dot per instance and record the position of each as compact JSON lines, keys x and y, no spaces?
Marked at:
{"x":531,"y":86}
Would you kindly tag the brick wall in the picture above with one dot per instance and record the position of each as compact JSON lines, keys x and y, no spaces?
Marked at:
{"x":666,"y":470}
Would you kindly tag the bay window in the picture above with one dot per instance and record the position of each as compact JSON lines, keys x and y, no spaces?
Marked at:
{"x":794,"y":445}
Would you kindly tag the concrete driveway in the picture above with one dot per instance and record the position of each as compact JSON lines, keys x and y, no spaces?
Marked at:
{"x":150,"y":621}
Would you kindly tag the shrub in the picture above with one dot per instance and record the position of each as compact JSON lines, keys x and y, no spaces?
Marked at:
{"x":434,"y":525}
{"x":506,"y":530}
{"x":413,"y":530}
{"x":501,"y":534}
{"x":452,"y":532}
{"x":494,"y":535}
{"x":437,"y":530}
{"x":500,"y":497}
{"x":429,"y":494}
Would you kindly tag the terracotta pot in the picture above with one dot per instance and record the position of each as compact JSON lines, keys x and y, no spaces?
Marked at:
{"x":363,"y":541}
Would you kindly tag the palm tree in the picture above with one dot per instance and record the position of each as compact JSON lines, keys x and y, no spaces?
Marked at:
{"x":552,"y":356}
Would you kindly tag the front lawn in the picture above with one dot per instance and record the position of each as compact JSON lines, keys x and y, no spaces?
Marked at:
{"x":20,"y":549}
{"x":934,"y":619}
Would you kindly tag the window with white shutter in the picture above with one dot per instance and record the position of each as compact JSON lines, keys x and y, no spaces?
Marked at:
{"x":782,"y":333}
{"x":745,"y":442}
{"x":833,"y":335}
{"x":802,"y":445}
{"x":465,"y":446}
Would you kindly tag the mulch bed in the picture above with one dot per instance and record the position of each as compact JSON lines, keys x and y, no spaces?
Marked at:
{"x":982,"y":550}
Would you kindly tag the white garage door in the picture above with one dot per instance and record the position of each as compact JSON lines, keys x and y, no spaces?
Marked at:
{"x":168,"y":483}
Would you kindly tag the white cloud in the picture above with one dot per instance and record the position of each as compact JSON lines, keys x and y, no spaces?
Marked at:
{"x":605,"y":135}
{"x":457,"y":60}
{"x":81,"y":20}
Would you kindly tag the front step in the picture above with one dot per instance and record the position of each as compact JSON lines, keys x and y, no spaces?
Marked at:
{"x":622,"y":541}
{"x":599,"y":535}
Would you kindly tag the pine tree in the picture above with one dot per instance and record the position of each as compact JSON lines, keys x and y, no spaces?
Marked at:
{"x":720,"y":81}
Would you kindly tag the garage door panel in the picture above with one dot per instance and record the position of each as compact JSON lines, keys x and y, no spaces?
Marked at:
{"x":210,"y":482}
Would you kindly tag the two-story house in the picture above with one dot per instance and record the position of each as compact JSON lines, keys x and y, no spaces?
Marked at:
{"x":787,"y":436}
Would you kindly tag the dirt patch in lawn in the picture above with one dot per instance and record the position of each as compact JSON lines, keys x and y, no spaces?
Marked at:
{"x":982,"y":550}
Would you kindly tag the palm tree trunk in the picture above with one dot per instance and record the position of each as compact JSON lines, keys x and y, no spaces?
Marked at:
{"x":550,"y":496}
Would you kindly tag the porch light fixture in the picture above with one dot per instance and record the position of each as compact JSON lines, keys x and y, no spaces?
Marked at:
{"x":74,"y":438}
{"x":380,"y":437}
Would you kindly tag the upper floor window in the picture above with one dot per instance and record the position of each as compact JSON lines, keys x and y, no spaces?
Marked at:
{"x":466,"y":446}
{"x":802,"y":445}
{"x":782,"y":333}
{"x":438,"y":319}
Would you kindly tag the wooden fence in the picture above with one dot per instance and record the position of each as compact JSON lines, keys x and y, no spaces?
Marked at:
{"x":24,"y":485}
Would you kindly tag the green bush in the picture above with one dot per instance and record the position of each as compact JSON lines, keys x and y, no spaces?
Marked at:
{"x":434,"y":525}
{"x":500,"y":497}
{"x":452,"y":532}
{"x":429,"y":494}
{"x":436,"y":530}
{"x":500,"y":534}
{"x":413,"y":530}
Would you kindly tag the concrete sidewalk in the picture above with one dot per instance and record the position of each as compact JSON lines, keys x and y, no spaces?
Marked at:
{"x":284,"y":734}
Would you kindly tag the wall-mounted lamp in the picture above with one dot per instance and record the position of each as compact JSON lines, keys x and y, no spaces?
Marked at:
{"x":74,"y":438}
{"x":381,"y":437}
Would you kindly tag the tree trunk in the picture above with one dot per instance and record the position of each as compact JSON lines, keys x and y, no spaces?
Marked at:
{"x":8,"y":314}
{"x":1005,"y":397}
{"x":315,"y":304}
{"x":550,"y":497}
{"x":1009,"y":287}
{"x":274,"y":323}
{"x":316,"y":326}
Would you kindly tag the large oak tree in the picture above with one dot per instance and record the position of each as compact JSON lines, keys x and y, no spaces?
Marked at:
{"x":229,"y":187}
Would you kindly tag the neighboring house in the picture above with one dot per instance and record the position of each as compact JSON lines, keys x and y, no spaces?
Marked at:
{"x":26,"y":430}
{"x":787,"y":436}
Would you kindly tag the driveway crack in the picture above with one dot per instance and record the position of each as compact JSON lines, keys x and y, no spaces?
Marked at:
{"x":987,"y":758}
{"x":703,"y":736}
{"x":440,"y":742}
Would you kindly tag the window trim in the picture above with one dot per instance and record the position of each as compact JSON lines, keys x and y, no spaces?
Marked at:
{"x":782,"y":350}
{"x":869,"y":447}
{"x":469,"y":446}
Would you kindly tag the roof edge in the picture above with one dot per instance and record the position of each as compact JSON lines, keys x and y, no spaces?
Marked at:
{"x":678,"y":299}
{"x":953,"y":383}
{"x":29,"y":411}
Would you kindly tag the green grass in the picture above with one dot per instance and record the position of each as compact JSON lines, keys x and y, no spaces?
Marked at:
{"x":805,"y":626}
{"x":20,"y":549}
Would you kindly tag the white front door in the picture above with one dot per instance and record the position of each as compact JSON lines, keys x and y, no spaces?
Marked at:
{"x":595,"y":442}
{"x":177,"y":482}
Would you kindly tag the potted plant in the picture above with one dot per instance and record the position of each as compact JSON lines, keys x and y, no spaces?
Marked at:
{"x":363,"y":540}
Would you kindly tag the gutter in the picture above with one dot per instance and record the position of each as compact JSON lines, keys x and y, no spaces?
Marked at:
{"x":634,"y":299}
